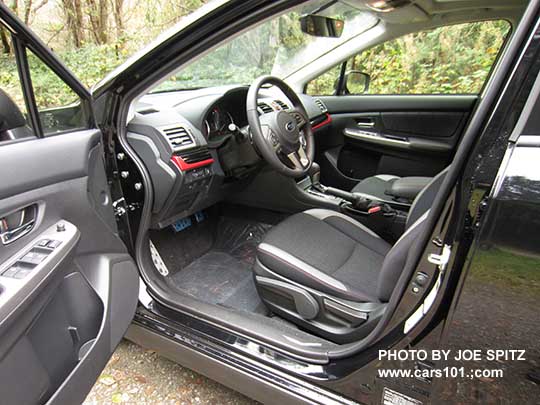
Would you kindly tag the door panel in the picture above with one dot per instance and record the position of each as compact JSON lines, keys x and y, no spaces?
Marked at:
{"x":68,"y":288}
{"x":406,"y":135}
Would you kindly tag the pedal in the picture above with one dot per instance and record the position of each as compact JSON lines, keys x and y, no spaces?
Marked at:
{"x":182,"y":224}
{"x":200,"y":216}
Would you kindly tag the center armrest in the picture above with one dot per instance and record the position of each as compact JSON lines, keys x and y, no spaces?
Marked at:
{"x":408,"y":187}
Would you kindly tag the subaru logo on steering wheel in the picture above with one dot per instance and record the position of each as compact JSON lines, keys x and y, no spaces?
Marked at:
{"x":290,"y":126}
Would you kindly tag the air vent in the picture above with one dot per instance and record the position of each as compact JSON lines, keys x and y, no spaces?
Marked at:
{"x":265,"y":108}
{"x":179,"y":138}
{"x":148,"y":111}
{"x":321,"y":105}
{"x":283,"y":105}
{"x":195,"y":156}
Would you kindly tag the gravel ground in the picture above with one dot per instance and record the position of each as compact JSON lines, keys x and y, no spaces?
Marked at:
{"x":138,"y":376}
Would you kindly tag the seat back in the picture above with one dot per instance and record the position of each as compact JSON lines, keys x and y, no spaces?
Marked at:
{"x":395,"y":260}
{"x":424,"y":199}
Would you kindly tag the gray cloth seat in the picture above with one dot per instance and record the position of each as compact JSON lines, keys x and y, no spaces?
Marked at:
{"x":327,"y":251}
{"x":333,"y":254}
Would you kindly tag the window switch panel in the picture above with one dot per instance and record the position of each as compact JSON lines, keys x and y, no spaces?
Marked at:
{"x":33,"y":258}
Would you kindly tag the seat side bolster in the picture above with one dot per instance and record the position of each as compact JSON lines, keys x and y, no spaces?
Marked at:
{"x":285,"y":259}
{"x":395,"y":260}
{"x":275,"y":261}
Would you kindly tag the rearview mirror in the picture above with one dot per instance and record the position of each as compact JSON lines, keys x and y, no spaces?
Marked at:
{"x":320,"y":26}
{"x":356,"y":82}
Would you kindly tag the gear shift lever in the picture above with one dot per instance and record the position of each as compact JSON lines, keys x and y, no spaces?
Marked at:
{"x":314,"y":173}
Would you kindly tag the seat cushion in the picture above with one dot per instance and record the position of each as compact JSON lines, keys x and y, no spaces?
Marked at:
{"x":376,"y":186}
{"x":327,"y":251}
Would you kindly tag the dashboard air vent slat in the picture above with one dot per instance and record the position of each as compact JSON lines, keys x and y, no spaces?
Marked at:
{"x":265,"y":108}
{"x":194,"y":156}
{"x":321,"y":105}
{"x":283,"y":105}
{"x":178,"y":137}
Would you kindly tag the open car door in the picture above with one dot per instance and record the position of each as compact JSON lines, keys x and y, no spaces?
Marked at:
{"x":68,"y":287}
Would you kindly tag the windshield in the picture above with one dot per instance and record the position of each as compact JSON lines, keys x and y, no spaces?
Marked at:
{"x":277,"y":47}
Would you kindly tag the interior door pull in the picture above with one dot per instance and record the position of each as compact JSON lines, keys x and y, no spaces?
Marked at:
{"x":17,"y":224}
{"x":365,"y":124}
{"x":16,"y":233}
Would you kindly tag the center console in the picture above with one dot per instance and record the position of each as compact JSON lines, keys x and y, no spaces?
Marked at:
{"x":385,"y":217}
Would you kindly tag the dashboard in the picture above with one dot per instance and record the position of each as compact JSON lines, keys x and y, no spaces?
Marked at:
{"x":196,"y":145}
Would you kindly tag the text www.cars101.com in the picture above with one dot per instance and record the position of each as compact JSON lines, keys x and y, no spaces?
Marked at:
{"x":446,"y":372}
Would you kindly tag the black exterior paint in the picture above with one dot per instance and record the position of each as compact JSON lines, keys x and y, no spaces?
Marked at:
{"x":498,"y":303}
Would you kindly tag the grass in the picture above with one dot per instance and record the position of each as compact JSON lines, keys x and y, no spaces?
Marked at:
{"x":507,"y":269}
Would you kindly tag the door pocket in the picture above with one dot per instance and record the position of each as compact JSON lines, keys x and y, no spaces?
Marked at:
{"x":55,"y":343}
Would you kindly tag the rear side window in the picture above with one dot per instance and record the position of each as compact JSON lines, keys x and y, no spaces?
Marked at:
{"x":60,"y":108}
{"x":455,"y":59}
{"x":14,"y":122}
{"x":34,"y":100}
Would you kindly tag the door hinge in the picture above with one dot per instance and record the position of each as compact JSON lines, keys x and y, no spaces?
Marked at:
{"x":442,"y":259}
{"x":120,"y":207}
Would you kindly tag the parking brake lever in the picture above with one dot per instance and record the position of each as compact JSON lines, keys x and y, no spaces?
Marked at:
{"x":358,"y":201}
{"x":361,"y":203}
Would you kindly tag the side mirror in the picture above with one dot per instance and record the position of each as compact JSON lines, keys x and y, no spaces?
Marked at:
{"x":356,"y":82}
{"x":320,"y":26}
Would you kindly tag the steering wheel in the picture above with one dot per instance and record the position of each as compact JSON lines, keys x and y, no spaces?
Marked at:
{"x":283,"y":138}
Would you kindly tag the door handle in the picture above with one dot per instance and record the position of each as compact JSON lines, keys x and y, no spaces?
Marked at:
{"x":17,"y":224}
{"x":365,"y":124}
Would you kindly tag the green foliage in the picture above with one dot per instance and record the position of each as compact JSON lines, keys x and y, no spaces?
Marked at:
{"x":447,"y":60}
{"x":243,"y":59}
{"x":454,"y":59}
{"x":90,"y":64}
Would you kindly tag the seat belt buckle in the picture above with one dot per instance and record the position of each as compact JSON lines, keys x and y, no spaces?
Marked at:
{"x":374,"y":209}
{"x":385,"y":209}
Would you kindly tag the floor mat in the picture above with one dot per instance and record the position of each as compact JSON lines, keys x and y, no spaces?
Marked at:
{"x":179,"y":249}
{"x":218,"y":277}
{"x":240,"y":237}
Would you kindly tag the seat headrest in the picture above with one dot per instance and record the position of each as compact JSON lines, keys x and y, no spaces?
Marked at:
{"x":11,"y":116}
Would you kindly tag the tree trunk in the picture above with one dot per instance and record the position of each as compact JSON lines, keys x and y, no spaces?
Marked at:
{"x":74,"y":21}
{"x":27,"y":10}
{"x":104,"y":21}
{"x":4,"y":37}
{"x":98,"y":14}
{"x":118,"y":9}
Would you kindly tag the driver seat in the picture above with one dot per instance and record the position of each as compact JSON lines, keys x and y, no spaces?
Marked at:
{"x":328,"y":273}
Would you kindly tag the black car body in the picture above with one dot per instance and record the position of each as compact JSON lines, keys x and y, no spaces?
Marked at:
{"x":477,"y":295}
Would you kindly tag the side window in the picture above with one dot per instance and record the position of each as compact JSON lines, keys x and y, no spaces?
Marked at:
{"x":60,"y":108}
{"x":454,"y":59}
{"x":14,"y":122}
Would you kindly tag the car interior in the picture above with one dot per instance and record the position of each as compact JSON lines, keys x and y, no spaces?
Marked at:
{"x":290,"y":217}
{"x":285,"y":216}
{"x":251,"y":203}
